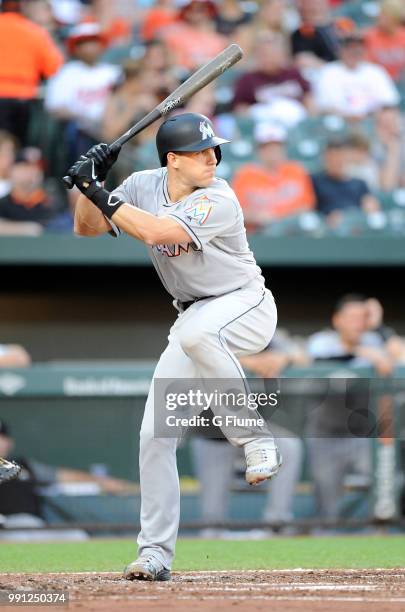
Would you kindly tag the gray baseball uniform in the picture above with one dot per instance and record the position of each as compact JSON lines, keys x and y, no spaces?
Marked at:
{"x":235,"y":315}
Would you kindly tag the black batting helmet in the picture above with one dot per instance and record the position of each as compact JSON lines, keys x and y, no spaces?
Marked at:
{"x":187,"y":132}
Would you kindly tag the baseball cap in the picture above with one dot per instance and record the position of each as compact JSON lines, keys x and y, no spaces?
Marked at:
{"x":82,"y":32}
{"x":269,"y":132}
{"x":30,"y":155}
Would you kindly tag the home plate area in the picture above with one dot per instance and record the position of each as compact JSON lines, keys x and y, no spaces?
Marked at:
{"x":287,"y":590}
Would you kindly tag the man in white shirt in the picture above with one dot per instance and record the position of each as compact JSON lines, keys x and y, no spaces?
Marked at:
{"x":352,"y":87}
{"x":78,"y":93}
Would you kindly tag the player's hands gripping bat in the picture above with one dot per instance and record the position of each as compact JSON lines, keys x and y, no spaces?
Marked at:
{"x":194,"y":83}
{"x":105,"y":157}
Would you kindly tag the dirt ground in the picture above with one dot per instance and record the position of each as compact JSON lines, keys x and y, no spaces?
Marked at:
{"x":278,"y":591}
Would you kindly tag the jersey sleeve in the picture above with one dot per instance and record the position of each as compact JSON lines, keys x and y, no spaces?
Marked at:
{"x":206,"y":216}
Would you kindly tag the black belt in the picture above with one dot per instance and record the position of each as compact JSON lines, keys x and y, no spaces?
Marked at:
{"x":185,"y":305}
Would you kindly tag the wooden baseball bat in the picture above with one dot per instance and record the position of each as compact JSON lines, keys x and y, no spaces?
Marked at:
{"x":194,"y":83}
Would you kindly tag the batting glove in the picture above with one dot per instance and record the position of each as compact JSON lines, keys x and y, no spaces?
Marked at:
{"x":105,"y":157}
{"x":83,"y":173}
{"x":84,"y":176}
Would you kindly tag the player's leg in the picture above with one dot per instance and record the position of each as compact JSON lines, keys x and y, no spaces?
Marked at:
{"x":213,"y":333}
{"x":159,"y":482}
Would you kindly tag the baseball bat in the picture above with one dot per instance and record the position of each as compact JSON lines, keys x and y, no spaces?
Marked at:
{"x":194,"y":83}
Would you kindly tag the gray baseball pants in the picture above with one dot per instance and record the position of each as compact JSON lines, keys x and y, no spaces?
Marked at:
{"x":205,"y":341}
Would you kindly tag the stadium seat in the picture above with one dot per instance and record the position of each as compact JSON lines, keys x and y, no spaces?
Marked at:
{"x":308,"y":223}
{"x":117,"y":54}
{"x":362,"y":12}
{"x":356,"y":223}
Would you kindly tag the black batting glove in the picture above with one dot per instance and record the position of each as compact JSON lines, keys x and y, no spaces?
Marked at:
{"x":105,"y":157}
{"x":84,"y":176}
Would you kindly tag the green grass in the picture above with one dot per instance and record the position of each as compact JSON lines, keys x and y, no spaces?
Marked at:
{"x":278,"y":553}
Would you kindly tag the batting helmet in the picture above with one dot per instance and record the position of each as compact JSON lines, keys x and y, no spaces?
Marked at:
{"x":187,"y":132}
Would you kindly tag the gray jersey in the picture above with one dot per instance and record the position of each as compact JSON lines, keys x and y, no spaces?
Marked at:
{"x":218,"y":260}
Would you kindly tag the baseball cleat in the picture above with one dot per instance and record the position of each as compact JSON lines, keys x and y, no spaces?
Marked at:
{"x":8,"y":470}
{"x":263,"y":460}
{"x":147,"y":568}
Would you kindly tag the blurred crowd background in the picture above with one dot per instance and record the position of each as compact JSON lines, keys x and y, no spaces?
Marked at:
{"x":314,"y":110}
{"x":315,"y":113}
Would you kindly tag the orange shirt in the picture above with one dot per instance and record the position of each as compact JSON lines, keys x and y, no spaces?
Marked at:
{"x":27,"y":53}
{"x":266,"y":195}
{"x":191,"y":47}
{"x":387,"y":50}
{"x":155,"y":20}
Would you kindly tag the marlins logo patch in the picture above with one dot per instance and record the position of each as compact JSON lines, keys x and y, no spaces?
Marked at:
{"x":199,"y":210}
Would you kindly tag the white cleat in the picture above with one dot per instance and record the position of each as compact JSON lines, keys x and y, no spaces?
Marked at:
{"x":263,"y":460}
{"x":147,"y":568}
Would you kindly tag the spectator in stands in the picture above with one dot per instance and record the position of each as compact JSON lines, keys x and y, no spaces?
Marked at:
{"x":116,"y":29}
{"x":79,"y":92}
{"x":274,"y":90}
{"x":388,"y":147}
{"x":13,"y":356}
{"x":316,"y":40}
{"x":214,"y":458}
{"x":193,"y":39}
{"x":350,"y":340}
{"x":28,"y":55}
{"x":230,"y":17}
{"x":276,"y":16}
{"x":8,"y":150}
{"x":67,"y":12}
{"x":20,"y":502}
{"x":274,"y":187}
{"x":272,"y":16}
{"x":160,"y":15}
{"x":394,"y":344}
{"x":133,"y":98}
{"x":335,"y":192}
{"x":29,"y":207}
{"x":385,"y":42}
{"x":41,"y":12}
{"x":352,"y":87}
{"x":361,"y":164}
{"x":336,"y":446}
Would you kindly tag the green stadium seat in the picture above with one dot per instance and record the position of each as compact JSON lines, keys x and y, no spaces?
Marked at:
{"x":356,"y":223}
{"x":116,"y":55}
{"x":392,"y":199}
{"x":308,"y":223}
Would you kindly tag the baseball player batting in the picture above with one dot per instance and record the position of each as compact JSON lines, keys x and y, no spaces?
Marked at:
{"x":193,"y":226}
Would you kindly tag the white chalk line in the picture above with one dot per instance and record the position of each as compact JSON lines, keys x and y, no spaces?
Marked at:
{"x":207,"y":573}
{"x":280,"y":587}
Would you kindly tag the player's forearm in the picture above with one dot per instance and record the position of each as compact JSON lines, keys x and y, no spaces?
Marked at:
{"x":89,"y":220}
{"x":147,"y":227}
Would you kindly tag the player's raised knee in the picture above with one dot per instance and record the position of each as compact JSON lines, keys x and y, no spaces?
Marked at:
{"x":193,"y":339}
